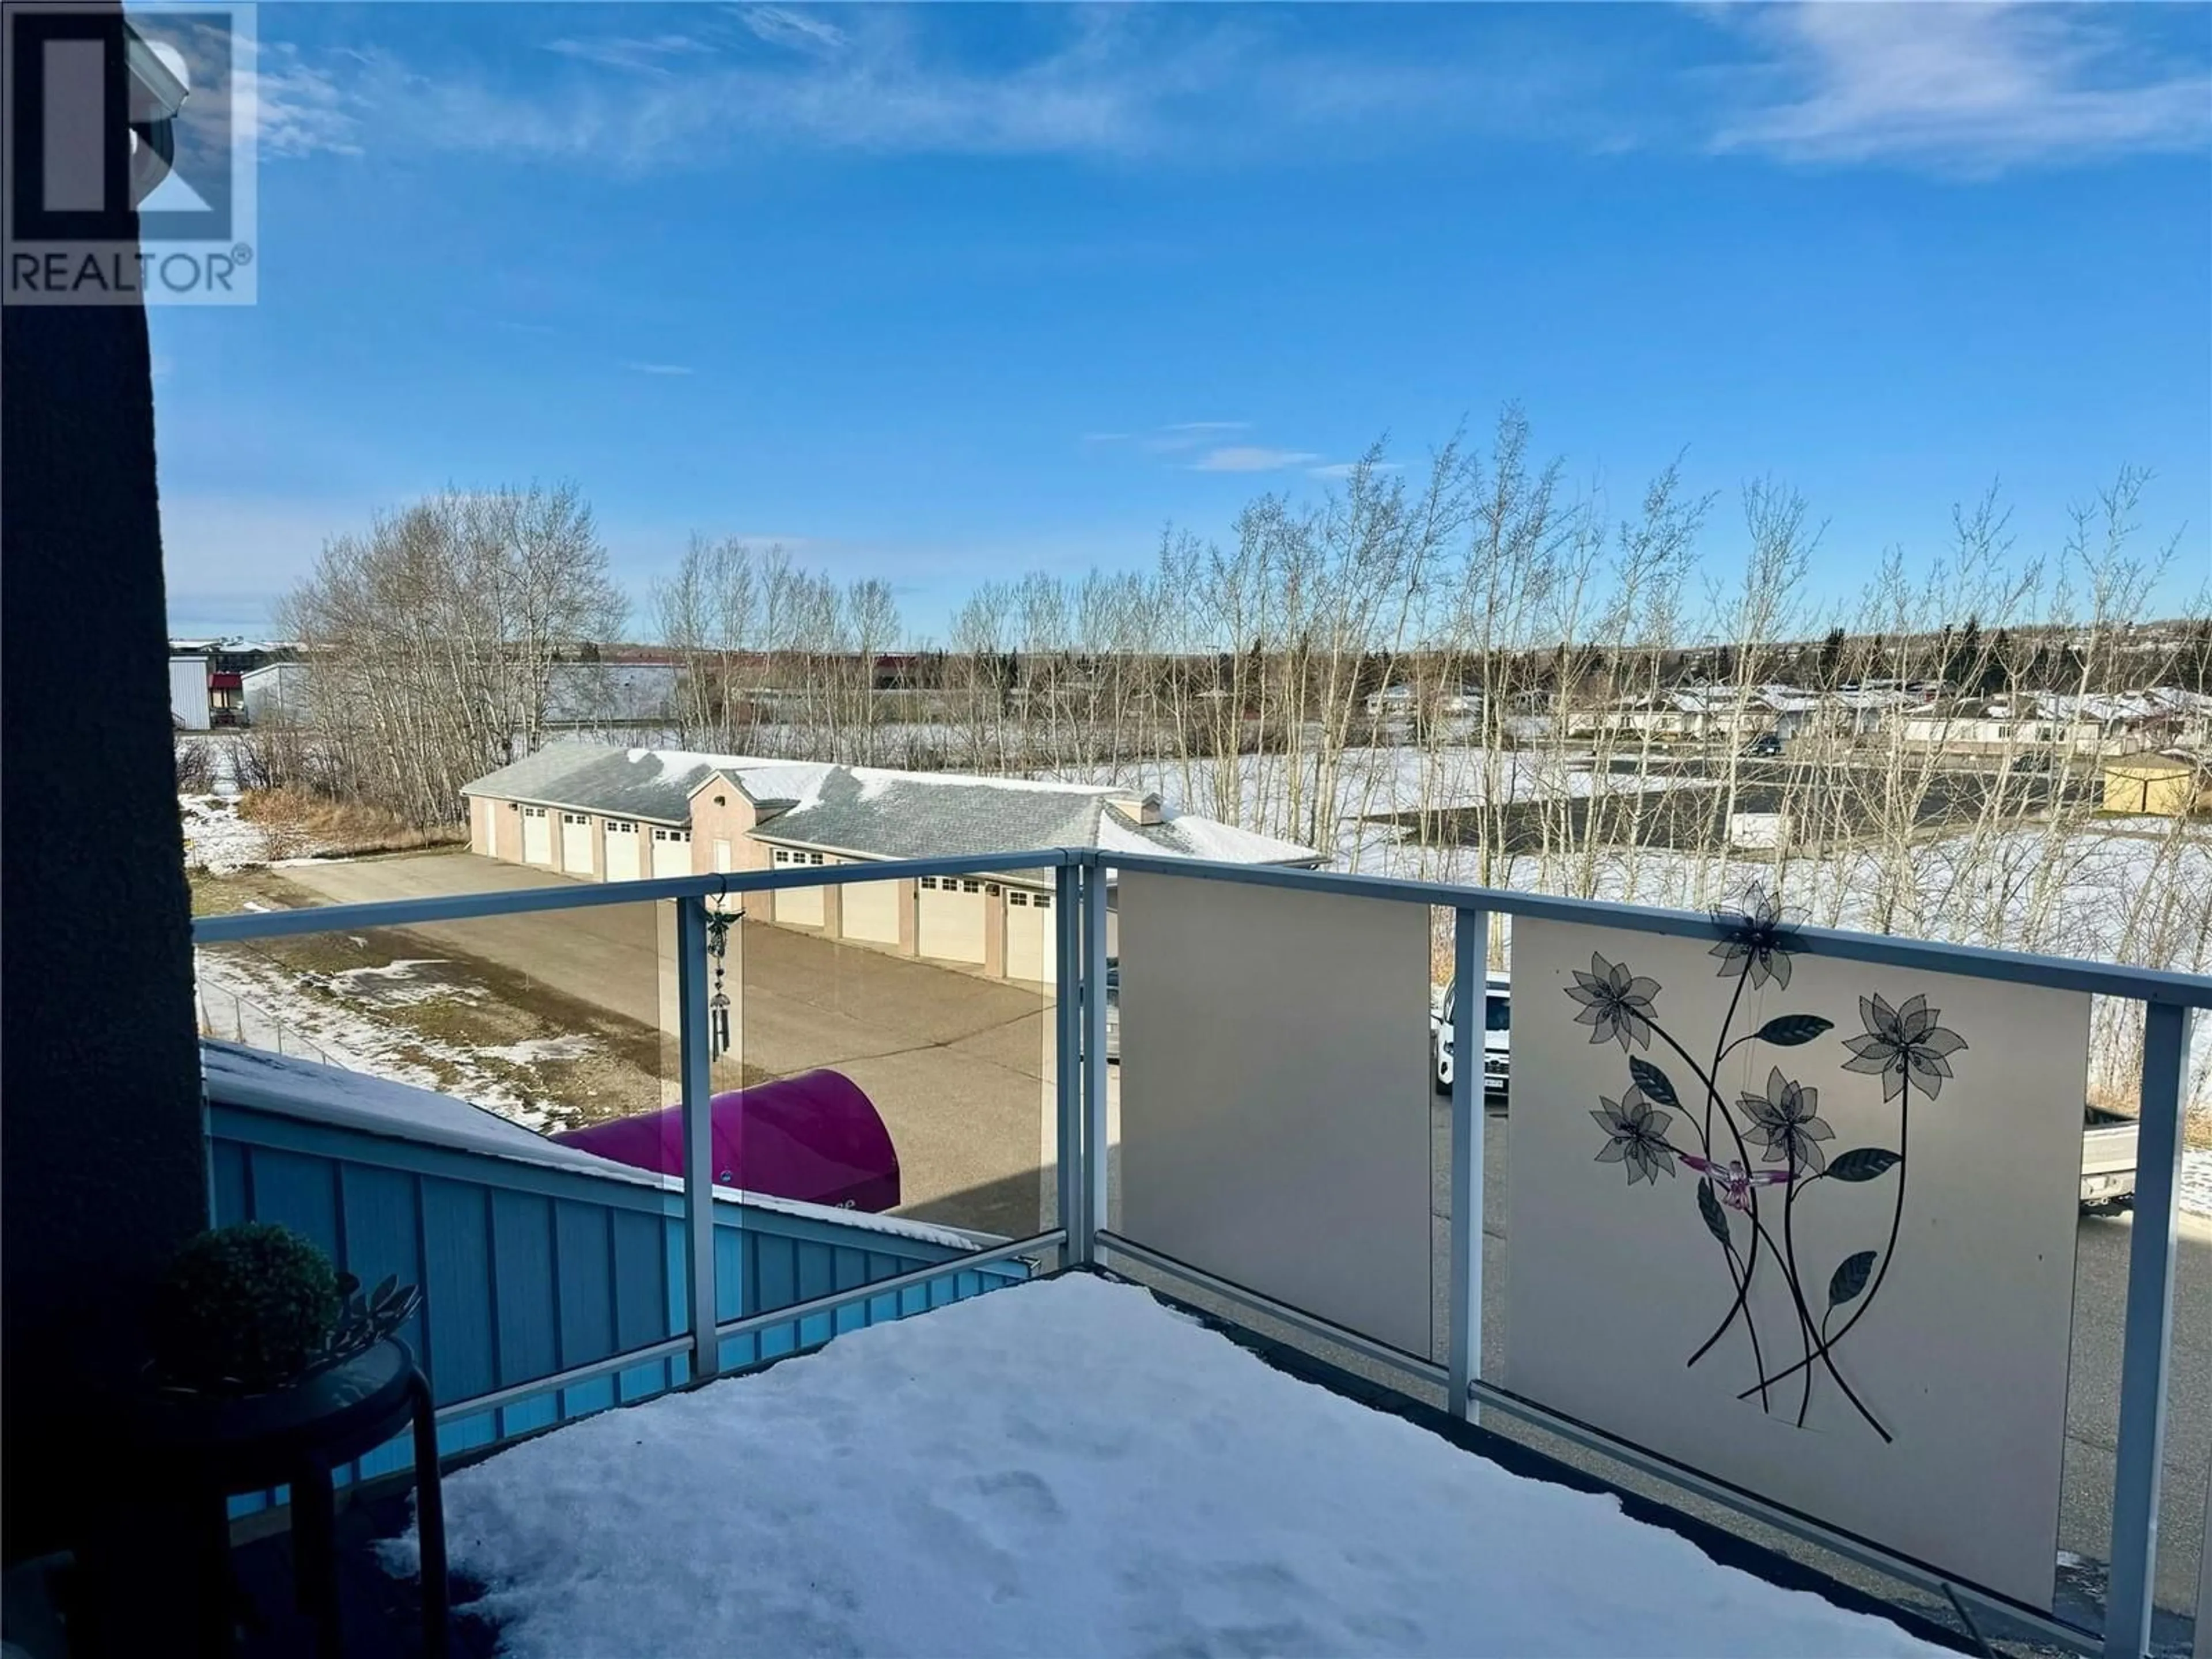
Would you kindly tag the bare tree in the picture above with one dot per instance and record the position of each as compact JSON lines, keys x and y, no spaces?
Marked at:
{"x":433,"y":637}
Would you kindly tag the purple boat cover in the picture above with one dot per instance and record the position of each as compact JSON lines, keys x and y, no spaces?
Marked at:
{"x":814,"y":1137}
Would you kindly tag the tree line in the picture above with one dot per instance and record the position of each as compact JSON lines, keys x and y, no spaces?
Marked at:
{"x":1235,"y":676}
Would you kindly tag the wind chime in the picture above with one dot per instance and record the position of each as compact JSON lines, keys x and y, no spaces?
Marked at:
{"x":719,"y":923}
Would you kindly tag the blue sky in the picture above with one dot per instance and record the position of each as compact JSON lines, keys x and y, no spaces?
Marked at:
{"x":943,"y":294}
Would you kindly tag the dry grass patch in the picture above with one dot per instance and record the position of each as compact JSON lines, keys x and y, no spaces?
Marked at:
{"x":299,"y":824}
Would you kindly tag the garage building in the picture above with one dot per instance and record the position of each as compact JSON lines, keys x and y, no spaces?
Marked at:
{"x":609,"y":814}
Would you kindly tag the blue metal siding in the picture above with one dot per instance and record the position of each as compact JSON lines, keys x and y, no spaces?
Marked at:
{"x":527,"y":1272}
{"x":527,"y":1334}
{"x":640,"y":1293}
{"x":584,"y":1281}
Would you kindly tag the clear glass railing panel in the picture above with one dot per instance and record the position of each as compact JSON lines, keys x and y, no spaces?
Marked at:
{"x":925,"y":1006}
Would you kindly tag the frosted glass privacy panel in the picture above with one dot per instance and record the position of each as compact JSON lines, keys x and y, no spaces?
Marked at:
{"x":1274,"y":1105}
{"x":1893,"y":1160}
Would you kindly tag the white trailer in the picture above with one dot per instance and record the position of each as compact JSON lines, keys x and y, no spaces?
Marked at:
{"x":188,"y":692}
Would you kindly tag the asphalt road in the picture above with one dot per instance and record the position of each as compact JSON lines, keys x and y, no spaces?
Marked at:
{"x":955,"y":1063}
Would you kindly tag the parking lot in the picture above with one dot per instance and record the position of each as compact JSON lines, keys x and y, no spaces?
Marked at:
{"x":957,"y":1064}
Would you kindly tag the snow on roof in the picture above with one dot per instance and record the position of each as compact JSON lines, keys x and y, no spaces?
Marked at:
{"x":794,"y":783}
{"x":1197,"y":837}
{"x":314,"y":1093}
{"x":1068,"y":1466}
{"x":1871,"y":697}
{"x":871,"y":813}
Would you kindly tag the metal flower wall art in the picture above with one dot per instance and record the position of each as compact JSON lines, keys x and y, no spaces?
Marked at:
{"x":1759,"y":1157}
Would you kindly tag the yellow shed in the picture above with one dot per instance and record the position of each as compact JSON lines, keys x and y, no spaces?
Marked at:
{"x":2167,"y":786}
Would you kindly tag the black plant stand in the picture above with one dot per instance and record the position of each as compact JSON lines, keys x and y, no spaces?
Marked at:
{"x":206,"y":1447}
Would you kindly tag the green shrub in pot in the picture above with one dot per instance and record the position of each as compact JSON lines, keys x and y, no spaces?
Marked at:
{"x":243,"y":1310}
{"x":253,"y":1307}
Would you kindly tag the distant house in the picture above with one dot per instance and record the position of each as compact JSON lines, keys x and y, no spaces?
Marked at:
{"x":609,"y":814}
{"x":1692,"y":714}
{"x":1791,"y":713}
{"x":1859,"y":711}
{"x":1981,"y":726}
{"x":2099,"y":723}
{"x":2187,"y":714}
{"x":1400,"y":701}
{"x":2171,"y":785}
{"x":2163,"y":716}
{"x":207,"y":678}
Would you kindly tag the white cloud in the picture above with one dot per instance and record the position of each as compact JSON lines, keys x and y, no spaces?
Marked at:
{"x":643,"y":55}
{"x":1970,"y":88}
{"x":1198,"y":447}
{"x":658,"y":368}
{"x":1965,"y":87}
{"x":1180,"y":435}
{"x":1339,"y":470}
{"x":296,"y":109}
{"x":780,"y":26}
{"x":1103,"y":80}
{"x":1250,"y":458}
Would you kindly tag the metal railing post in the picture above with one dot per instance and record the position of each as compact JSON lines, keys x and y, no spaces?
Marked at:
{"x":2150,"y":1334}
{"x":1068,"y":1055}
{"x":697,"y":1083}
{"x":1098,"y":1152}
{"x":1470,"y":971}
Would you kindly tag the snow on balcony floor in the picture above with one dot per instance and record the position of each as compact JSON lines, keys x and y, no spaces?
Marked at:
{"x":1070,"y":1468}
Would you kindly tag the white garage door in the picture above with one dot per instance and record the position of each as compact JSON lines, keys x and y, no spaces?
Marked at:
{"x":951,"y":919}
{"x":624,"y":863}
{"x":576,"y":844}
{"x":871,"y":910}
{"x":672,"y":853}
{"x":797,"y":905}
{"x":1029,"y":952}
{"x":537,"y":836}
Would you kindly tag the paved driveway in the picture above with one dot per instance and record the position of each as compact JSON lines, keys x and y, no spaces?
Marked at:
{"x":955,"y":1063}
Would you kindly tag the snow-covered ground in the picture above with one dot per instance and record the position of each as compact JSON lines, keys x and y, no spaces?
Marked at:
{"x":1273,"y":793}
{"x":2197,"y":1182}
{"x":219,"y":757}
{"x":216,"y":839}
{"x":1070,"y":1468}
{"x":247,"y":998}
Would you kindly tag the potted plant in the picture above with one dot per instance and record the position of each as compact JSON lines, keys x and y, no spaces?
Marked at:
{"x":254,"y":1307}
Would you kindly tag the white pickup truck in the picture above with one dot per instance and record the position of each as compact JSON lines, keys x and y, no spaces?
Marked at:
{"x":2108,"y":1159}
{"x":2108,"y":1139}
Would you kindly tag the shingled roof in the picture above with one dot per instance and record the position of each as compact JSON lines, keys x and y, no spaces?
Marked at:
{"x":870,"y":812}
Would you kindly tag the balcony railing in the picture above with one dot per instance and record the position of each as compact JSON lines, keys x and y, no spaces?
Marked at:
{"x":1095,"y":1183}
